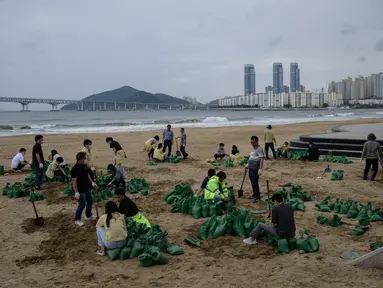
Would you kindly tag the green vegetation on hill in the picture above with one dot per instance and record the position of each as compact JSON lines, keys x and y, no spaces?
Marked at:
{"x":128,"y":94}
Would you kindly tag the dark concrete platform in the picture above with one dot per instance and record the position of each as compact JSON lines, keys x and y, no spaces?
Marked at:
{"x":341,"y":140}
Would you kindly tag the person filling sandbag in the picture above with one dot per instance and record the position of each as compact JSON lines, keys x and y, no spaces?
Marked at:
{"x":117,"y":149}
{"x":283,"y":150}
{"x":128,"y":208}
{"x":111,"y":229}
{"x":282,"y":219}
{"x":210,"y":173}
{"x":159,"y":155}
{"x":235,"y":154}
{"x":220,"y":153}
{"x":150,"y":145}
{"x":216,"y":189}
{"x":55,"y":170}
{"x":118,"y":175}
{"x":54,"y":155}
{"x":89,"y":158}
{"x":19,"y":162}
{"x":371,"y":152}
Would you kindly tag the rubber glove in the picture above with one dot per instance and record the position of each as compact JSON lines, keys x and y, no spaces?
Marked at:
{"x":94,"y":185}
{"x":77,"y":195}
{"x":259,"y":172}
{"x":41,"y":165}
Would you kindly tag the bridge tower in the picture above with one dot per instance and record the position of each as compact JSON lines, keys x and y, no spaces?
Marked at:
{"x":24,"y":106}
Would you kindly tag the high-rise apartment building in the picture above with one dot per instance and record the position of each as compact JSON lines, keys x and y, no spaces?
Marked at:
{"x":277,"y":77}
{"x":295,"y":80}
{"x":331,"y":87}
{"x":302,"y":88}
{"x":268,"y":89}
{"x":249,"y":79}
{"x":285,"y":89}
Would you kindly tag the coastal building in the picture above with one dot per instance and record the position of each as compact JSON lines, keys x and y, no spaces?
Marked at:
{"x":249,"y":79}
{"x":302,"y":88}
{"x":295,"y":81}
{"x":268,"y":89}
{"x":277,"y":77}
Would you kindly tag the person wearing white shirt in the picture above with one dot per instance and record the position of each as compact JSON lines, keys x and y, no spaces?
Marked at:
{"x":18,"y":162}
{"x":53,"y":157}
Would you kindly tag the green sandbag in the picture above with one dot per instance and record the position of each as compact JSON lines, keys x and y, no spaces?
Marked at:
{"x":113,"y":254}
{"x":174,"y":250}
{"x":283,"y":246}
{"x":150,"y":249}
{"x":137,"y":249}
{"x":357,"y":231}
{"x":161,"y":242}
{"x":218,"y":209}
{"x":159,"y":258}
{"x":324,"y":208}
{"x":212,"y":211}
{"x":294,"y":206}
{"x":221,"y":229}
{"x":270,"y":239}
{"x":337,"y":207}
{"x":293,"y":244}
{"x":213,"y":226}
{"x":335,"y":221}
{"x":301,"y":207}
{"x":313,"y":242}
{"x":238,"y":228}
{"x":352,"y":213}
{"x":344,"y":208}
{"x":376,"y":245}
{"x":249,"y":225}
{"x":125,"y":252}
{"x":146,"y":260}
{"x":376,"y":217}
{"x":175,"y":208}
{"x":365,"y":221}
{"x":192,"y":242}
{"x":205,"y":210}
{"x":302,"y":244}
{"x":185,"y":206}
{"x":325,"y":201}
{"x":196,"y":210}
{"x":321,"y":219}
{"x":203,"y":229}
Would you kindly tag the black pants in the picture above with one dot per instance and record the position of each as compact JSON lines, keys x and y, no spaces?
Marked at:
{"x":254,"y":179}
{"x":167,"y":143}
{"x":19,"y":167}
{"x":219,"y":156}
{"x":91,"y":174}
{"x":267,"y":146}
{"x":374,"y":163}
{"x":58,"y":173}
{"x":311,"y":157}
{"x":184,"y":154}
{"x":151,"y":153}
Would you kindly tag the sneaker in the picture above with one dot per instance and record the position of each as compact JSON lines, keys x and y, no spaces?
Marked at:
{"x":255,"y":200}
{"x":79,"y":223}
{"x":91,"y":218}
{"x":249,"y":241}
{"x":101,"y":252}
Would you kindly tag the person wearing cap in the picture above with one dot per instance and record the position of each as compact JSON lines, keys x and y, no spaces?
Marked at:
{"x":269,"y":142}
{"x":372,"y":151}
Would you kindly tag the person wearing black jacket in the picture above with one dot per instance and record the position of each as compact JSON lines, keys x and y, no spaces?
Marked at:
{"x":313,"y":153}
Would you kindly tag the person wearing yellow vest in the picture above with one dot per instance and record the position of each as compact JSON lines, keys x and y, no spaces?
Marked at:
{"x":54,"y":169}
{"x":89,"y":159}
{"x":150,"y":145}
{"x":216,"y":189}
{"x":159,"y":155}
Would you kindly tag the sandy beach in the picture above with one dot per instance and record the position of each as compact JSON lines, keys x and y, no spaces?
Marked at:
{"x":62,"y":255}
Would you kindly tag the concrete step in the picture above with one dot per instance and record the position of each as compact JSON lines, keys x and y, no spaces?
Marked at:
{"x":323,"y":152}
{"x":328,"y":146}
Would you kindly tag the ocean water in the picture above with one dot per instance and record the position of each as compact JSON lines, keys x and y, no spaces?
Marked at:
{"x":47,"y":122}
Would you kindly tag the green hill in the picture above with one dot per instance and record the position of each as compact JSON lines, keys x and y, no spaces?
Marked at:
{"x":128,"y":94}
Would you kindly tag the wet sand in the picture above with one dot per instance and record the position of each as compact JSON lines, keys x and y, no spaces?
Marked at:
{"x":62,"y":255}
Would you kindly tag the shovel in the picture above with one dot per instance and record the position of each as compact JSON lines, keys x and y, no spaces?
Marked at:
{"x":39,"y":221}
{"x":268,"y":198}
{"x":240,"y":191}
{"x":178,"y":153}
{"x":327,"y":169}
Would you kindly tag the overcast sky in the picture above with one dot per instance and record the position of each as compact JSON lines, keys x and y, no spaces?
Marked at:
{"x":73,"y":48}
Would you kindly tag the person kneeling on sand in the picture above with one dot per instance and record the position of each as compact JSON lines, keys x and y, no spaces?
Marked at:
{"x":220,"y":153}
{"x":54,"y":169}
{"x":19,"y":162}
{"x":128,"y":208}
{"x":313,"y":152}
{"x":111,"y":229}
{"x":118,"y":175}
{"x":150,"y":145}
{"x":210,"y":173}
{"x":235,"y":154}
{"x":216,"y":189}
{"x":282,"y":219}
{"x":283,"y":150}
{"x":159,"y":155}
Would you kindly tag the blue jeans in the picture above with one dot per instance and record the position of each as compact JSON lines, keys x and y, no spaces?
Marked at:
{"x":85,"y":200}
{"x":103,"y":243}
{"x":254,"y":178}
{"x":38,"y":176}
{"x":262,"y":227}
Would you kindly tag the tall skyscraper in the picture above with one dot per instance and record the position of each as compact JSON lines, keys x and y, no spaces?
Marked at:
{"x":277,"y":77}
{"x":268,"y":88}
{"x":249,"y":79}
{"x":295,"y":78}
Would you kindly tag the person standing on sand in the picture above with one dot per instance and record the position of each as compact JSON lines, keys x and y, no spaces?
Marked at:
{"x":117,"y":149}
{"x":255,"y":166}
{"x":89,"y":159}
{"x":168,"y":137}
{"x":183,"y":143}
{"x":81,"y":181}
{"x":269,"y":142}
{"x":371,"y":152}
{"x":38,"y":161}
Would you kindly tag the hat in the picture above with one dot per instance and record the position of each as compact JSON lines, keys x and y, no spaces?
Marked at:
{"x":269,"y":127}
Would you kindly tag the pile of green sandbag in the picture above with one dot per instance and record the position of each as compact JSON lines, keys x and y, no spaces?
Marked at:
{"x":215,"y":164}
{"x":68,"y":190}
{"x":297,"y":197}
{"x":103,"y":193}
{"x":376,"y":245}
{"x":298,"y":155}
{"x":137,"y":185}
{"x":2,"y":171}
{"x":335,"y":221}
{"x":180,"y":191}
{"x":306,"y":243}
{"x":337,"y":175}
{"x":244,"y":161}
{"x":228,"y":163}
{"x":239,"y":223}
{"x":145,"y":243}
{"x":337,"y":159}
{"x":15,"y":191}
{"x":36,"y":196}
{"x":173,"y":159}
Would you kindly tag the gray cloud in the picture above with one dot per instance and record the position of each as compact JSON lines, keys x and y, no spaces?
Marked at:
{"x":379,"y":46}
{"x":362,"y":59}
{"x":71,"y":49}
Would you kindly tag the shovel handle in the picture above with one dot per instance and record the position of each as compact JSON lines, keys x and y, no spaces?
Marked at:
{"x":243,"y":180}
{"x":34,"y":208}
{"x":268,"y":198}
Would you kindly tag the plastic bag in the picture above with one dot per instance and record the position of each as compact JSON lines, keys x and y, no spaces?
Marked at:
{"x":283,"y":246}
{"x":174,"y":250}
{"x":113,"y":254}
{"x":145,"y":260}
{"x":125,"y":252}
{"x":357,"y":231}
{"x":137,"y":249}
{"x":196,"y":210}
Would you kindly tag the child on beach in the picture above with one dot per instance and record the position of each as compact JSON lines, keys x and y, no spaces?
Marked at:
{"x":150,"y":145}
{"x":220,"y":153}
